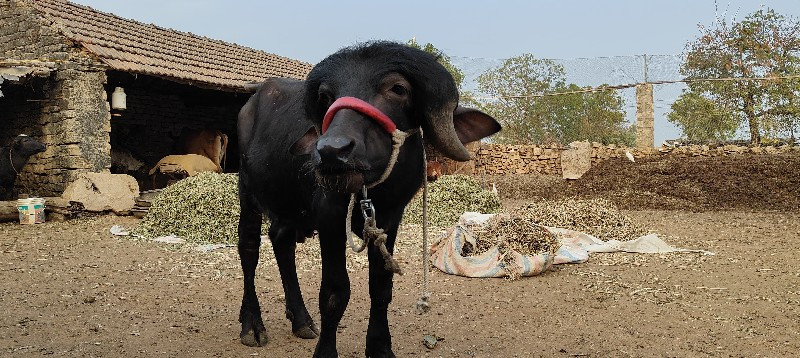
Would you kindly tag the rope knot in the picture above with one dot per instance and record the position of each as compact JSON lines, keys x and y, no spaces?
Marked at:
{"x":378,"y":237}
{"x":372,"y":233}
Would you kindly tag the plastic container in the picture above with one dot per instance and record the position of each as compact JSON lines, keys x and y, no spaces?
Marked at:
{"x":31,"y":211}
{"x":38,"y":208}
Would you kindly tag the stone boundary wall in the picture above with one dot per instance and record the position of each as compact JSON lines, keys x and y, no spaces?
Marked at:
{"x":497,"y":159}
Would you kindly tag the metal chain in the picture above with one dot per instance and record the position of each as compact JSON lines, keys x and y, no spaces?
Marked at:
{"x":377,"y":236}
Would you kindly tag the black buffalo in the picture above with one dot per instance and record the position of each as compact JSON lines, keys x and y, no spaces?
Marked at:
{"x":13,"y":158}
{"x":301,"y":173}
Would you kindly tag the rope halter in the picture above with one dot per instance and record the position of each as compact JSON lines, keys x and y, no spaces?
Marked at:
{"x":365,"y":108}
{"x":371,"y":231}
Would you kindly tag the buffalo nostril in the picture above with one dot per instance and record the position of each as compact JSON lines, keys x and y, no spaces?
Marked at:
{"x":336,"y":148}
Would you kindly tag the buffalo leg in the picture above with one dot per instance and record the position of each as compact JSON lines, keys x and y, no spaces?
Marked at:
{"x":334,"y":293}
{"x":379,"y":341}
{"x":253,"y":333}
{"x":284,"y":242}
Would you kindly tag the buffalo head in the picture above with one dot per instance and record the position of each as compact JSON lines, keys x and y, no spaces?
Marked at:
{"x":25,"y":146}
{"x":406,"y":85}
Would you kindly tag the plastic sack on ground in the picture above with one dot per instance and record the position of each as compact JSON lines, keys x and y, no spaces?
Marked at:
{"x":575,"y":248}
{"x":446,"y":254}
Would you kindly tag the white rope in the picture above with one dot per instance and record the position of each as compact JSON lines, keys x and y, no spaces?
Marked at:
{"x":16,"y":173}
{"x":349,"y":227}
{"x":423,"y":305}
{"x":398,"y":138}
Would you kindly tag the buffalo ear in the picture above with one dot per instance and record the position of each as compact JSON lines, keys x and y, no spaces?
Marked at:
{"x":305,"y":144}
{"x":471,"y":124}
{"x":450,"y":132}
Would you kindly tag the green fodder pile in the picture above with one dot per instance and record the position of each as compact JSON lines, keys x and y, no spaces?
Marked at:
{"x":200,"y":209}
{"x":448,"y":198}
{"x":597,"y":217}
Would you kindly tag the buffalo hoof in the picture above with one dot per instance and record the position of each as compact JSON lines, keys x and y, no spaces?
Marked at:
{"x":326,"y":355}
{"x":309,"y":331}
{"x":302,"y":324}
{"x":379,"y":353}
{"x":328,"y":352}
{"x":254,"y":337}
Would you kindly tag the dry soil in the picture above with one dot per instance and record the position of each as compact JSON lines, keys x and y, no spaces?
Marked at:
{"x":73,"y":290}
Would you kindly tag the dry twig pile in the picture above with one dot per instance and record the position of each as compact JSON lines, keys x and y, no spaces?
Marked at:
{"x":521,"y":229}
{"x":597,"y":217}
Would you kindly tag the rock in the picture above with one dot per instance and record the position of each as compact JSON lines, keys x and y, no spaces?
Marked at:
{"x":576,"y":161}
{"x":99,"y":192}
{"x":730,"y":148}
{"x":429,"y":341}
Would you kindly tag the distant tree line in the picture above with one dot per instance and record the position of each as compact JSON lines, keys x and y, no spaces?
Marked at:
{"x":764,"y":44}
{"x":513,"y":93}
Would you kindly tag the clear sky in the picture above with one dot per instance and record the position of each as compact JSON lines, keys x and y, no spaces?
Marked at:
{"x":310,"y":30}
{"x":564,"y":29}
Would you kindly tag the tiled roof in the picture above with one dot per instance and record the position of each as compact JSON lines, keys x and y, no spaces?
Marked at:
{"x":131,"y":46}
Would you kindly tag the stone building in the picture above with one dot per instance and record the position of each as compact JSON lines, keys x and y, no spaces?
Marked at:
{"x":60,"y":63}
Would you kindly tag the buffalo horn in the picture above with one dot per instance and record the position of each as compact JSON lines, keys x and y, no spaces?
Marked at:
{"x":439,"y":130}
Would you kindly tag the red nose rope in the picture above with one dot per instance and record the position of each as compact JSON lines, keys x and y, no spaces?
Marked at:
{"x":371,"y":230}
{"x":362,"y":107}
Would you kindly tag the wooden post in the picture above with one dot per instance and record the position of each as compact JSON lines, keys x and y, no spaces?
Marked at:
{"x":644,"y":116}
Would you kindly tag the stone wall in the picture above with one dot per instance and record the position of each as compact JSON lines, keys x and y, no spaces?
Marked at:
{"x":64,"y":105}
{"x":68,"y":112}
{"x":723,"y":150}
{"x":24,"y":37}
{"x":496,"y":159}
{"x":499,"y":159}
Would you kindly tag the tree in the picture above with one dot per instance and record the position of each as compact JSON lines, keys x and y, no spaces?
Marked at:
{"x":517,"y":87}
{"x":465,"y":97}
{"x":764,"y":44}
{"x":701,"y":119}
{"x":457,"y":74}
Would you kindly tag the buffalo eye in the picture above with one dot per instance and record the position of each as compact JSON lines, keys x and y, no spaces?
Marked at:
{"x":399,"y":90}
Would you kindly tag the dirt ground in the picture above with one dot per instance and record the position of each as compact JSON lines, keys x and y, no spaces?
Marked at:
{"x":73,"y":290}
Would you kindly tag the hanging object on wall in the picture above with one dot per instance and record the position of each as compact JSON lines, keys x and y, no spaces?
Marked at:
{"x":118,"y":100}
